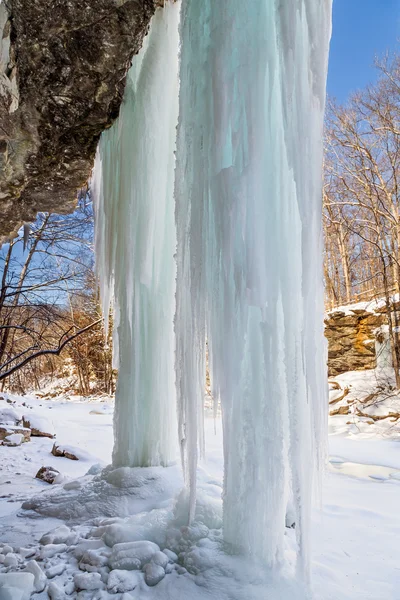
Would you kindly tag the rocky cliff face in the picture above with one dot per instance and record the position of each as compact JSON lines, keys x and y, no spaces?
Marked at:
{"x":63,"y":65}
{"x":351,"y":339}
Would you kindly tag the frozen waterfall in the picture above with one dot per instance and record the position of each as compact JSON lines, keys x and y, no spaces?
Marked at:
{"x":135,"y":246}
{"x":248,"y":242}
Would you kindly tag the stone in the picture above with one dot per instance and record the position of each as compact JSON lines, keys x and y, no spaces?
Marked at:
{"x":39,"y":426}
{"x":6,"y":430}
{"x":60,"y":451}
{"x":351,"y":340}
{"x":13,"y":439}
{"x":47,"y":474}
{"x":62,"y":79}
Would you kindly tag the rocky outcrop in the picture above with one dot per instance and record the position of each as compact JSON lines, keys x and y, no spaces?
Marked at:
{"x":351,"y":339}
{"x":47,"y":474}
{"x":63,"y":65}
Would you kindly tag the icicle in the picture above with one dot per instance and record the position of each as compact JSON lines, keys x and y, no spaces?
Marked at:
{"x":248,"y":216}
{"x":135,"y":246}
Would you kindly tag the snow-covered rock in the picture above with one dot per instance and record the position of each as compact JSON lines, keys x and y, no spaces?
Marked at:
{"x":55,"y":592}
{"x":16,"y":586}
{"x":72,"y":485}
{"x":70,"y":452}
{"x":47,"y":474}
{"x":153,"y":574}
{"x":55,"y":570}
{"x":132,"y":555}
{"x":93,"y":559}
{"x":160,"y":558}
{"x":14,"y":439}
{"x":27,"y":552}
{"x":39,"y":425}
{"x":88,"y":581}
{"x":59,"y":535}
{"x":51,"y":550}
{"x":9,"y":416}
{"x":172,"y":557}
{"x":11,"y":560}
{"x":7,"y":430}
{"x":122,"y":581}
{"x":40,"y":580}
{"x":6,"y":549}
{"x":85,"y":545}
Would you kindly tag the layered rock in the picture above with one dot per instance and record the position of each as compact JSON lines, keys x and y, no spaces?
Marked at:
{"x":351,"y":338}
{"x":63,"y":65}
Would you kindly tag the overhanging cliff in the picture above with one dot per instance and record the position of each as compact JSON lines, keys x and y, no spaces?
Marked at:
{"x":63,"y":65}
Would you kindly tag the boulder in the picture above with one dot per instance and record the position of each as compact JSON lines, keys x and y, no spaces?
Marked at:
{"x":14,"y":439}
{"x":39,"y":426}
{"x":47,"y":474}
{"x":65,"y":452}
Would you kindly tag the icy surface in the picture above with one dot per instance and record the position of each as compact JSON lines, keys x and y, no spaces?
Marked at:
{"x":249,"y":255}
{"x":135,"y":246}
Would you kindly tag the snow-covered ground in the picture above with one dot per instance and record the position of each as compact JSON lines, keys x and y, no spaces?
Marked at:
{"x":354,"y":539}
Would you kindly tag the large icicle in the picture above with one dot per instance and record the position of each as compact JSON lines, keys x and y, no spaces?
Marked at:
{"x":248,"y":214}
{"x":135,"y":246}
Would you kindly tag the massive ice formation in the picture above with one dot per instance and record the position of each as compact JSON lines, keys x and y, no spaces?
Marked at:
{"x":248,"y":206}
{"x":135,"y":246}
{"x":249,"y":253}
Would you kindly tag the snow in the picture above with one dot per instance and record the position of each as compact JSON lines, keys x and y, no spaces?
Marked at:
{"x":14,"y":439}
{"x":357,"y":523}
{"x":371,"y":306}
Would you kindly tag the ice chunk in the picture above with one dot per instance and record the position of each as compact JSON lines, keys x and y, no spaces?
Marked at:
{"x":55,"y":592}
{"x":55,"y":570}
{"x":132,"y":555}
{"x":59,"y":535}
{"x":153,"y":574}
{"x":16,"y":586}
{"x":51,"y":550}
{"x":40,"y":578}
{"x":88,"y":581}
{"x":122,"y":581}
{"x":85,"y":545}
{"x":172,"y":557}
{"x":160,"y":558}
{"x":11,"y":560}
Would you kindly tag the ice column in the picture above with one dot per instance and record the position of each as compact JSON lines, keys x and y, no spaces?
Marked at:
{"x":135,"y":246}
{"x":249,"y":255}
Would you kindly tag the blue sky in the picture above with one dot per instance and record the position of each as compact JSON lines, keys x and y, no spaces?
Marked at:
{"x":362,"y":29}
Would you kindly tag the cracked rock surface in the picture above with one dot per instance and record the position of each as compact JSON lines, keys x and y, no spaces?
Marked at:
{"x":63,"y":65}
